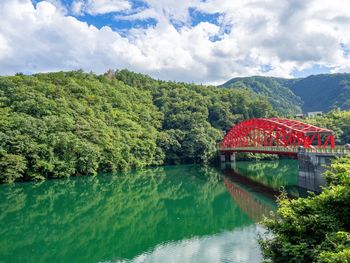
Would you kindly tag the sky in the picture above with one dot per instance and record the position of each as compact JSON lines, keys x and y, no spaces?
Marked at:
{"x":200,"y":41}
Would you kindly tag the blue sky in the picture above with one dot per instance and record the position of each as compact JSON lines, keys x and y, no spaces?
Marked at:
{"x":198,"y":41}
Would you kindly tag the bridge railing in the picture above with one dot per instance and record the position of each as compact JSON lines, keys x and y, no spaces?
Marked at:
{"x":265,"y":148}
{"x":337,"y":150}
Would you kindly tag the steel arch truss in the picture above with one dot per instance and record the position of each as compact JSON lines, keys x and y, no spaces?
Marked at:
{"x":264,"y":132}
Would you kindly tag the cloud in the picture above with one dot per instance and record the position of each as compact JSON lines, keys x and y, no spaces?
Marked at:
{"x":99,"y":7}
{"x":47,"y":40}
{"x":77,"y":7}
{"x":286,"y":34}
{"x":251,"y":37}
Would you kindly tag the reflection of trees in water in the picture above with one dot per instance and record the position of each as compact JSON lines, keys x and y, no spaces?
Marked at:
{"x":255,"y":199}
{"x":271,"y":173}
{"x":109,"y":217}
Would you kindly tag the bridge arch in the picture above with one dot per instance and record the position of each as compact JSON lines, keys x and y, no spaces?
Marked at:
{"x":267,"y":132}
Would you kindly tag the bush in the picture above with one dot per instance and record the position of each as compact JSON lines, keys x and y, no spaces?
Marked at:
{"x":315,"y":228}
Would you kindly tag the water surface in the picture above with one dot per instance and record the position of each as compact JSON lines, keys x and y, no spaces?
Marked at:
{"x":167,"y":214}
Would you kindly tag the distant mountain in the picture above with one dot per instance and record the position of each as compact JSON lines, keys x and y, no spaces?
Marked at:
{"x":323,"y":92}
{"x":289,"y":96}
{"x":276,"y":90}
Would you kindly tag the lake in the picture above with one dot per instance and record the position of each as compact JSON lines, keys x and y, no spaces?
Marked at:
{"x":186,"y":213}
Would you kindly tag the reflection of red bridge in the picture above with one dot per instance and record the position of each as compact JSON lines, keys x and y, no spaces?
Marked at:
{"x":249,"y":203}
{"x":276,"y":136}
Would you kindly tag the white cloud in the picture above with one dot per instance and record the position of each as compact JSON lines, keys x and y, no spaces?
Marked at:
{"x":99,"y":7}
{"x":4,"y":47}
{"x":265,"y":34}
{"x":177,"y":10}
{"x":77,"y":7}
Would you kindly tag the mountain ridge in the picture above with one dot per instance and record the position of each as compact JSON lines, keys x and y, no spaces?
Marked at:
{"x":321,"y":92}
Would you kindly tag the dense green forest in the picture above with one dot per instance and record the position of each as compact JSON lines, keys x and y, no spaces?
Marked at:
{"x":314,"y":93}
{"x":281,"y":97}
{"x":74,"y":123}
{"x":316,"y":228}
{"x":63,"y":124}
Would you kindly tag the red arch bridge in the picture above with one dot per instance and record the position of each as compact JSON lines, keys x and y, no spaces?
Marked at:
{"x":277,"y":136}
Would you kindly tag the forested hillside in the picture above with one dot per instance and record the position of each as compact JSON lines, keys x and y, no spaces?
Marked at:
{"x":73,"y":123}
{"x":279,"y":95}
{"x":196,"y":117}
{"x":314,"y":93}
{"x":323,"y":92}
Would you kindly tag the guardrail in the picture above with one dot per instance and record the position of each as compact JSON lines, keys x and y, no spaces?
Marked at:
{"x":336,"y":150}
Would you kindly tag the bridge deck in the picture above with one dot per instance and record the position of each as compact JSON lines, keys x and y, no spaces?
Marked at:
{"x":338,"y":150}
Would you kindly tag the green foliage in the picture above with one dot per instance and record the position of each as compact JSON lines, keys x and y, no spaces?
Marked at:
{"x":255,"y":156}
{"x":279,"y":95}
{"x":196,"y":117}
{"x":72,"y":123}
{"x":11,"y":167}
{"x":316,"y":228}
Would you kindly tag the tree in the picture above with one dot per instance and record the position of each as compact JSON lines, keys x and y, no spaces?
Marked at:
{"x":12,"y":167}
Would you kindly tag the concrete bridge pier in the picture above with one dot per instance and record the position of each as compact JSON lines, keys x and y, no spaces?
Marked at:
{"x":312,"y":167}
{"x":228,"y":159}
{"x":232,"y":158}
{"x":222,"y":158}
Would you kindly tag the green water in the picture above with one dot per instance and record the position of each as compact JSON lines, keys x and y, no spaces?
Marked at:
{"x":168,"y":214}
